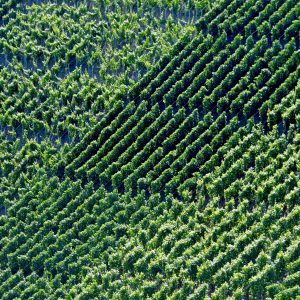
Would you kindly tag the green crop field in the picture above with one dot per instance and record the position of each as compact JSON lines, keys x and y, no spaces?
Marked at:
{"x":150,"y":149}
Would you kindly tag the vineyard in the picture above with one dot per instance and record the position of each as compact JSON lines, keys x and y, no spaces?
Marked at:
{"x":150,"y":149}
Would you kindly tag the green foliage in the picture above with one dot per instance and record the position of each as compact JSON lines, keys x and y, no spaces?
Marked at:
{"x":142,"y":159}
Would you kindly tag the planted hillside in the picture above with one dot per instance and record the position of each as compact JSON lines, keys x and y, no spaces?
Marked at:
{"x":187,"y":187}
{"x":64,"y":64}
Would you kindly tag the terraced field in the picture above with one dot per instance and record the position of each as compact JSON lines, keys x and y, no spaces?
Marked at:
{"x":186,"y":186}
